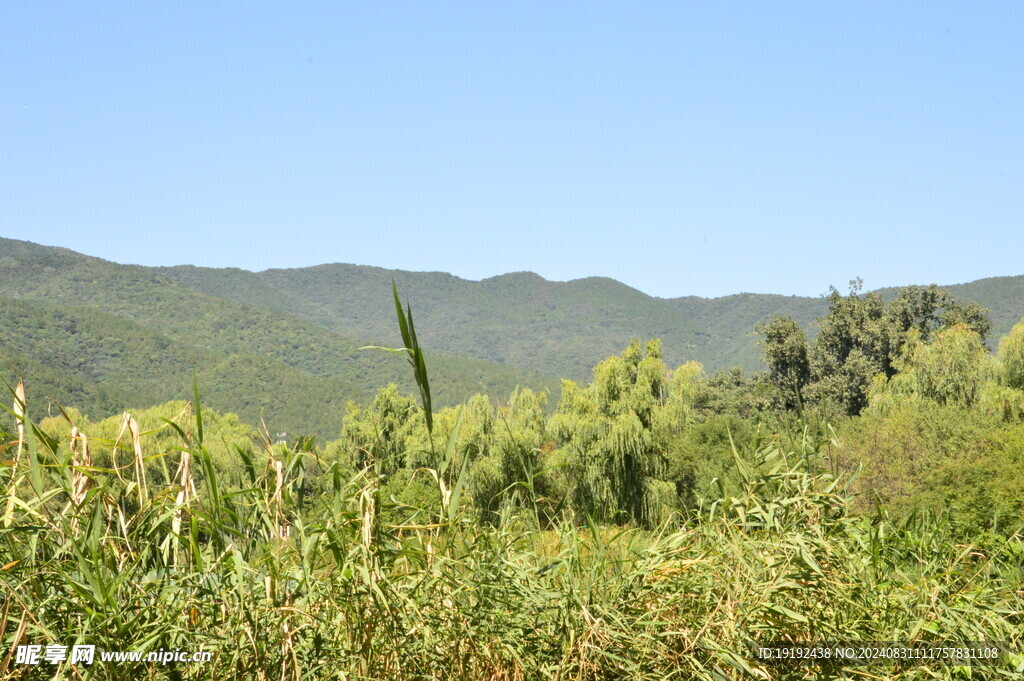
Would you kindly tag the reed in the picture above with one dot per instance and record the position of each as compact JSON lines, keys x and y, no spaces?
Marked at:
{"x":282,"y":584}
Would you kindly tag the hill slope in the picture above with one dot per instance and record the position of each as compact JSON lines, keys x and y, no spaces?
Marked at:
{"x":560,"y":328}
{"x":196,"y":328}
{"x":301,"y":326}
{"x":517,"y":319}
{"x":103,"y":364}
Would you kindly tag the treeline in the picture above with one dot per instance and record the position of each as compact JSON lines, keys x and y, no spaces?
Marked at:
{"x":913,"y":409}
{"x":918,"y":414}
{"x":861,"y":340}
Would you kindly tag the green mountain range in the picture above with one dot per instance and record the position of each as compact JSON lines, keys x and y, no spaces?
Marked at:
{"x":102,"y":336}
{"x":284,"y":345}
{"x":523,"y":320}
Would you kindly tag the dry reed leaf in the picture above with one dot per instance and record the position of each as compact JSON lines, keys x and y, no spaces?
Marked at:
{"x":19,"y":413}
{"x":80,"y":458}
{"x":140,"y":468}
{"x":18,"y":634}
{"x":186,"y":492}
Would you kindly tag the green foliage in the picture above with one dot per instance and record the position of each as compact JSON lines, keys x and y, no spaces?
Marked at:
{"x":222,"y":433}
{"x":1003,"y":400}
{"x":379,"y":435}
{"x":1011,"y":357}
{"x":277,"y":584}
{"x":299,"y":327}
{"x":943,"y":458}
{"x":370,"y":560}
{"x":943,"y":432}
{"x":562,"y":329}
{"x":1001,"y":295}
{"x":954,"y":368}
{"x":106,"y":337}
{"x":415,"y":356}
{"x":927,"y":309}
{"x":982,"y":494}
{"x":501,"y":447}
{"x":519,"y":319}
{"x":733,"y":392}
{"x":700,"y":457}
{"x":614,"y":433}
{"x":861,"y":337}
{"x":553,"y":327}
{"x":785,"y":355}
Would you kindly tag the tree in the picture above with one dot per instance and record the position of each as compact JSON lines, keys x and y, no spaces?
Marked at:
{"x":613,"y":437}
{"x":1011,"y":357}
{"x":505,"y":466}
{"x":928,"y":309}
{"x":785,"y":354}
{"x":953,"y":369}
{"x":378,"y":433}
{"x":1005,"y":396}
{"x":862,"y":337}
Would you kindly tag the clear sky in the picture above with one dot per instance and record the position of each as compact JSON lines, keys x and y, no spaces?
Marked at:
{"x":683,"y":148}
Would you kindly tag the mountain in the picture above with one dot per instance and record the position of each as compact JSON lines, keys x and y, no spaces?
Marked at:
{"x":516,"y":319}
{"x":118,"y":335}
{"x":103,"y":364}
{"x":559,"y":328}
{"x":296,"y":333}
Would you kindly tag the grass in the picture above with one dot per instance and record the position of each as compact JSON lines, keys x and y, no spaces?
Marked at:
{"x":282,"y":584}
{"x":296,"y":570}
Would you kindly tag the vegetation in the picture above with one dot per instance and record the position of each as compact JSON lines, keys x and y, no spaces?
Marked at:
{"x":100,"y":336}
{"x":518,"y":320}
{"x":561,"y":329}
{"x":652,"y":522}
{"x":279,"y":583}
{"x":861,"y":337}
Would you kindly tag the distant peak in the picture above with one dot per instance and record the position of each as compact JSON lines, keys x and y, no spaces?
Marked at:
{"x":517,"y":276}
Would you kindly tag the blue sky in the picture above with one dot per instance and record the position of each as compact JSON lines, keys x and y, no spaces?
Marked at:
{"x":682,"y":148}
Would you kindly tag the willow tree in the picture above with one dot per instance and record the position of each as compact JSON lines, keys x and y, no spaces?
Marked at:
{"x":1011,"y":357}
{"x":500,"y":447}
{"x":1006,"y":395}
{"x":613,"y":436}
{"x":953,"y":369}
{"x":381,"y":434}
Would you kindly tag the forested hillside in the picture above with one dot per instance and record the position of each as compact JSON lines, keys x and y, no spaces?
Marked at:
{"x":297,"y":332}
{"x":95,"y":333}
{"x":559,"y":328}
{"x":102,"y":364}
{"x":519,"y":319}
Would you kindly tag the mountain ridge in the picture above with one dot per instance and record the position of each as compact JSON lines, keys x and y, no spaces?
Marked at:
{"x":139,"y":304}
{"x":7,"y":242}
{"x":517,"y":327}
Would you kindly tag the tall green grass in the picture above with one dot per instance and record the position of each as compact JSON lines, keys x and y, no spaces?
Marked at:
{"x":286,"y":577}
